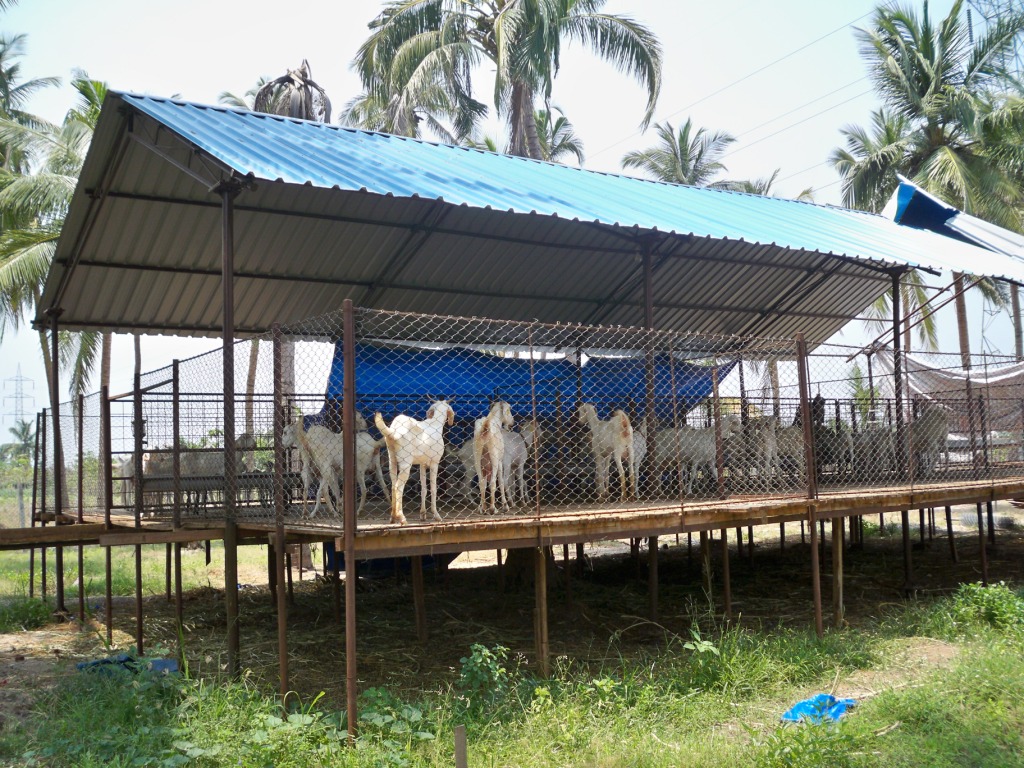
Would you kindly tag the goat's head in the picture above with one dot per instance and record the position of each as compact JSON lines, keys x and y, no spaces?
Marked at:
{"x":505,"y":411}
{"x":439,"y":407}
{"x":290,"y":435}
{"x":585,"y":412}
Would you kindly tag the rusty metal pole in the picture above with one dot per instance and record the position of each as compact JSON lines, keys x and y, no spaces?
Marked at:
{"x":838,"y":610}
{"x":540,"y":565}
{"x":349,"y":493}
{"x":42,"y":511}
{"x":419,"y":599}
{"x":58,"y":460}
{"x":179,"y":609}
{"x":228,"y":190}
{"x":902,"y":453}
{"x":726,"y":581}
{"x":652,"y":577}
{"x":81,"y":508}
{"x":812,"y":478}
{"x":949,"y":535}
{"x":108,"y":452}
{"x":279,"y":499}
{"x":719,"y":445}
{"x":32,"y":514}
{"x":981,"y":547}
{"x":138,"y":425}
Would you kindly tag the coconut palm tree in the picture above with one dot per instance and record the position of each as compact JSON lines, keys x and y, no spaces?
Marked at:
{"x":690,"y":156}
{"x":943,"y":123}
{"x":418,"y":46}
{"x":558,"y":138}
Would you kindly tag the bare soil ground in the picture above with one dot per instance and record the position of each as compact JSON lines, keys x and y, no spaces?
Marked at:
{"x":597,"y":609}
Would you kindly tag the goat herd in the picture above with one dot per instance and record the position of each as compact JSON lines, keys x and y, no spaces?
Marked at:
{"x":757,"y":455}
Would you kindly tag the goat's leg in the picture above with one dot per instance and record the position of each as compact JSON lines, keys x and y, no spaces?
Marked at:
{"x":423,"y":491}
{"x":361,"y":480}
{"x":622,"y":477}
{"x":399,"y":477}
{"x":433,"y":489}
{"x":378,"y":470}
{"x":520,"y":483}
{"x":502,"y":482}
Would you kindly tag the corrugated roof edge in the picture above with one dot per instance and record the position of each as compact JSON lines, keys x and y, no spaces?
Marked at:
{"x":477,"y":150}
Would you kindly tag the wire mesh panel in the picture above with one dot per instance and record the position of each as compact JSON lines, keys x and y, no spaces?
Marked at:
{"x":949,"y":423}
{"x":461,"y":417}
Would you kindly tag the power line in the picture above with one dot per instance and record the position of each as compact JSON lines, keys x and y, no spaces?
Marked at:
{"x":794,"y":125}
{"x":724,"y":88}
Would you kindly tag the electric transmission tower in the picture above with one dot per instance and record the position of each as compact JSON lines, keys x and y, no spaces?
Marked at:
{"x":17,"y":383}
{"x":989,"y":12}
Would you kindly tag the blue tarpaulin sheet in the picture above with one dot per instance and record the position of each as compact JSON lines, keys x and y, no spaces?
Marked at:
{"x":399,"y":380}
{"x":818,"y":708}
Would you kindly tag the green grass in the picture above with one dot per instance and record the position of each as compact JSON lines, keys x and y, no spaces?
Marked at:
{"x":14,"y":569}
{"x":710,"y":699}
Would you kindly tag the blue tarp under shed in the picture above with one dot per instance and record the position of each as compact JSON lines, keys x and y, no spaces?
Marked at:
{"x":405,"y":380}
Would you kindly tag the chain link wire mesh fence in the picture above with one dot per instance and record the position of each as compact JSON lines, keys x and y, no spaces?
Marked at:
{"x":470,"y":418}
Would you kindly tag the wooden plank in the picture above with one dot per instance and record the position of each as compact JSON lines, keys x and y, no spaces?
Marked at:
{"x":51,"y":535}
{"x":182,"y":535}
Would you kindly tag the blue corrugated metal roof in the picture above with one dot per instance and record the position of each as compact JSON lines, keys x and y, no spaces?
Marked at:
{"x":302,"y":152}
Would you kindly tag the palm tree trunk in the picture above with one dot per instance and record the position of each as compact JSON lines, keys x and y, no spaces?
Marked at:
{"x":1018,"y":330}
{"x":101,"y":465}
{"x":58,"y":456}
{"x":961,"y":321}
{"x":516,"y":121}
{"x":529,"y":118}
{"x":250,"y":386}
{"x":773,"y":377}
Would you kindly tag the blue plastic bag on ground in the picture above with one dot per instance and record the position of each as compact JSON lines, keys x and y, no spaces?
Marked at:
{"x":818,"y":708}
{"x":127,"y":662}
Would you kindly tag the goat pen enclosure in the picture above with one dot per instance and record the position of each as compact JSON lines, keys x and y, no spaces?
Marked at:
{"x":599,"y":420}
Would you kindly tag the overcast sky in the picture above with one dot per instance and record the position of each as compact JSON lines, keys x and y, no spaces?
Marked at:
{"x":783,"y":77}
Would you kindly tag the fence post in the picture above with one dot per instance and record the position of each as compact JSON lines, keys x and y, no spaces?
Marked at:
{"x":32,"y":511}
{"x":349,"y":493}
{"x":279,"y":500}
{"x":719,"y":446}
{"x":812,"y":478}
{"x":81,"y":509}
{"x":108,"y":479}
{"x":138,"y":426}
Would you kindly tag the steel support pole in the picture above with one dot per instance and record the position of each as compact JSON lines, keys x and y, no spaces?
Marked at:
{"x":902,"y":453}
{"x":81,"y":508}
{"x":652,"y":577}
{"x":649,"y":373}
{"x":419,"y":599}
{"x":58,"y":459}
{"x":349,"y":494}
{"x":108,"y":479}
{"x":279,"y":538}
{"x":540,"y":577}
{"x":719,"y":444}
{"x":726,"y":580}
{"x":981,"y":547}
{"x":812,"y":479}
{"x":838,"y":609}
{"x":138,"y":426}
{"x":949,"y":535}
{"x":228,"y":191}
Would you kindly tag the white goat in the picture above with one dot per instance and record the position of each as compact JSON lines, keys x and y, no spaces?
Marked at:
{"x":689,"y":446}
{"x":410,"y":442}
{"x":610,"y":440}
{"x":489,"y":453}
{"x":321,"y":452}
{"x":518,"y":448}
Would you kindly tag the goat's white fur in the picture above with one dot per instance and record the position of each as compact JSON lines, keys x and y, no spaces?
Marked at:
{"x":610,"y":440}
{"x":321,"y":452}
{"x":691,"y":447}
{"x":489,"y":444}
{"x":410,"y":442}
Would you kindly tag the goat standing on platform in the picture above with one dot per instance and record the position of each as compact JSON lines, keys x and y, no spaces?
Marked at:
{"x":489,"y":453}
{"x":409,"y":442}
{"x":610,"y":440}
